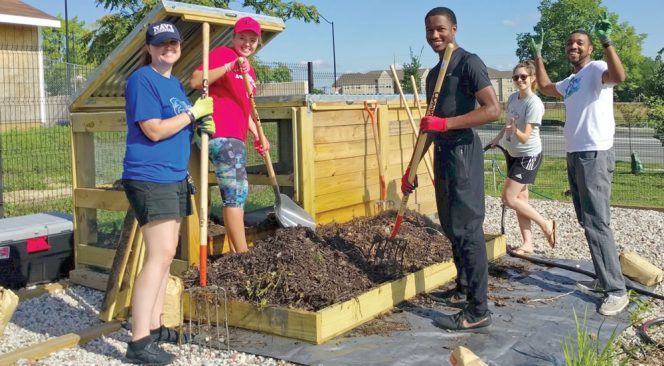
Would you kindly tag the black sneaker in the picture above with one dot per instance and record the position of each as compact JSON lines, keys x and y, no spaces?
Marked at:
{"x":454,"y":323}
{"x":150,"y":353}
{"x":166,"y":335}
{"x":452,"y":298}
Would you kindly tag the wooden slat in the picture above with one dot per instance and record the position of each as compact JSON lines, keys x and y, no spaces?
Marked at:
{"x":264,"y":180}
{"x":85,"y":219}
{"x":112,"y":121}
{"x":346,"y":182}
{"x":43,"y":349}
{"x":307,"y":168}
{"x":104,"y":199}
{"x":343,"y":133}
{"x":340,"y":150}
{"x":345,"y":214}
{"x":356,"y":164}
{"x":101,"y":103}
{"x":270,"y":113}
{"x":90,"y":255}
{"x":89,"y":278}
{"x":48,"y":288}
{"x":342,"y":117}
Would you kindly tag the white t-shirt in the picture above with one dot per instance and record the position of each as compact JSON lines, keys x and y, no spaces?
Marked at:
{"x":589,"y":124}
{"x":527,"y":110}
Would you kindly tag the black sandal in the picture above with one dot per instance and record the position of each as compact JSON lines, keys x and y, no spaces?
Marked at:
{"x":454,"y":323}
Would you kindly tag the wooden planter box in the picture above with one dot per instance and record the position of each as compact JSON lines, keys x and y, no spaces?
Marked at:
{"x":320,"y":326}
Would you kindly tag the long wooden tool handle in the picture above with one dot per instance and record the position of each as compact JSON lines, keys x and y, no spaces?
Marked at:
{"x":416,"y":129}
{"x":374,"y":129}
{"x":416,"y":95}
{"x":261,"y":135}
{"x":422,"y":138}
{"x":205,"y":152}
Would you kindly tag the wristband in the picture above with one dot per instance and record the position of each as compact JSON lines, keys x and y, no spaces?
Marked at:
{"x":607,"y":44}
{"x":192,"y":118}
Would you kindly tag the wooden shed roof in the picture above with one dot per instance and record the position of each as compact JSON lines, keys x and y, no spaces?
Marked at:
{"x":18,"y":12}
{"x":104,"y":89}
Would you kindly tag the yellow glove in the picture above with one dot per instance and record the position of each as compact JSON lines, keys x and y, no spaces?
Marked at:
{"x":201,"y":108}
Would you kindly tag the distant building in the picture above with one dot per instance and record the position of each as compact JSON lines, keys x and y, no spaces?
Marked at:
{"x":502,"y":83}
{"x":380,"y":82}
{"x":22,"y":94}
{"x":374,"y":82}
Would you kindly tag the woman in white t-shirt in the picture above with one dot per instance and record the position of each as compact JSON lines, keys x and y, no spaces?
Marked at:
{"x":520,"y":137}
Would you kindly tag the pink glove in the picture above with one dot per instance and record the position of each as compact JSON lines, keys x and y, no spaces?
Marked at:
{"x":259,"y":147}
{"x":237,"y":68}
{"x":433,"y":124}
{"x":407,"y":188}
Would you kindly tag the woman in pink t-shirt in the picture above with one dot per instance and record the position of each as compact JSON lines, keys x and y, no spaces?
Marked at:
{"x":232,"y":120}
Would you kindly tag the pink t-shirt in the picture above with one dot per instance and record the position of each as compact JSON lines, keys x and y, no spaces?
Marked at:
{"x":232,"y":106}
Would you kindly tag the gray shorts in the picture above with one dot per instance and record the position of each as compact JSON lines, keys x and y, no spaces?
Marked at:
{"x":158,"y":201}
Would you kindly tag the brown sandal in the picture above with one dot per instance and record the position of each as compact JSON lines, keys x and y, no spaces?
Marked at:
{"x":551,"y":237}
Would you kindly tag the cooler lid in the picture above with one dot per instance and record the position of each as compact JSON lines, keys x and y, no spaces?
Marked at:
{"x":42,"y":224}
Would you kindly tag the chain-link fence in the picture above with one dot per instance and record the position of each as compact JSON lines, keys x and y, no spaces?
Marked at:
{"x":35,"y":151}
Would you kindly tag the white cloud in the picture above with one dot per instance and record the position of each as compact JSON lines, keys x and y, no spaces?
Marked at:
{"x":510,"y":22}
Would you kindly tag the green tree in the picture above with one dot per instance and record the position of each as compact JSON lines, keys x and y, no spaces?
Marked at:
{"x":56,"y":78}
{"x":112,"y":29}
{"x":267,"y":74}
{"x":654,"y":93}
{"x":411,"y":68}
{"x":560,"y":17}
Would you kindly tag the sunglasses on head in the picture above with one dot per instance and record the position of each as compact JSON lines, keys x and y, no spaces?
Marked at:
{"x":523,"y":77}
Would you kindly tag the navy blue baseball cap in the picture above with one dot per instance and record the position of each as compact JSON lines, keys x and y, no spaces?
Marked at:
{"x":160,"y":32}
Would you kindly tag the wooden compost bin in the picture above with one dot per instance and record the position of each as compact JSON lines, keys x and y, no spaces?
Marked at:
{"x":336,"y":179}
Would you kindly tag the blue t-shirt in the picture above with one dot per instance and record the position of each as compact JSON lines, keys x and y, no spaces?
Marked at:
{"x":150,"y":95}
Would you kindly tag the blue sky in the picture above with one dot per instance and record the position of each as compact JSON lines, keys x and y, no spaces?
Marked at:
{"x":372,"y":34}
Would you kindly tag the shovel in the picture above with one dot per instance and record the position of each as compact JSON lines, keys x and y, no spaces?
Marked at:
{"x":288,"y":213}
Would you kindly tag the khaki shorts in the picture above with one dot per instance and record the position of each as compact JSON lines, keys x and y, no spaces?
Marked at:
{"x":158,"y":201}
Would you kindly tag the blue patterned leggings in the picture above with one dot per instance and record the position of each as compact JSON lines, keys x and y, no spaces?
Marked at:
{"x":229,"y":157}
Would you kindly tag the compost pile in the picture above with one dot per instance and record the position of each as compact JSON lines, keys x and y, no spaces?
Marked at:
{"x":308,"y":270}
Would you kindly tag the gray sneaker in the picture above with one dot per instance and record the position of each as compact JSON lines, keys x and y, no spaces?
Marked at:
{"x":592,"y":286}
{"x":613,"y":305}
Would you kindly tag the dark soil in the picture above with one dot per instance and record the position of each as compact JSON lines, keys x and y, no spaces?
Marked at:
{"x":299,"y":268}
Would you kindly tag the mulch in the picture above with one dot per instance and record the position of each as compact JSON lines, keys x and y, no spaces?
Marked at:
{"x":300,"y":268}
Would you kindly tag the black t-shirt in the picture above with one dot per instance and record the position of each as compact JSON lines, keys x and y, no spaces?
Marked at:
{"x":465,"y":76}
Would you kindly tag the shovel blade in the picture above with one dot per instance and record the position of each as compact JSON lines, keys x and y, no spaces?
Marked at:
{"x":289,"y":214}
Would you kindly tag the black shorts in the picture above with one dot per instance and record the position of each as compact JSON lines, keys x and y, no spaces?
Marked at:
{"x":523,"y":169}
{"x":158,"y":201}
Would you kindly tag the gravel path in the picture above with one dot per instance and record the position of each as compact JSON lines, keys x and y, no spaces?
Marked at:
{"x":77,"y":307}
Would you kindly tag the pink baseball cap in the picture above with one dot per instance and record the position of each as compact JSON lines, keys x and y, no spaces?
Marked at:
{"x":247,"y":23}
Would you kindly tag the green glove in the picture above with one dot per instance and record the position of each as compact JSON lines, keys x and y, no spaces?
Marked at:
{"x":205,"y":124}
{"x":201,"y":108}
{"x":536,"y":43}
{"x":603,"y":28}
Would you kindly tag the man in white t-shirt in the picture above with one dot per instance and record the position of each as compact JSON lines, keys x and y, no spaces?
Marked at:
{"x":589,"y":129}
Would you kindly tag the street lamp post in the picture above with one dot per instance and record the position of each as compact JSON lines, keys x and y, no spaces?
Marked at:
{"x":334,"y":53}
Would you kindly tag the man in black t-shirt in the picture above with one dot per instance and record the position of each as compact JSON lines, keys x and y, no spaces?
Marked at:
{"x":459,"y":167}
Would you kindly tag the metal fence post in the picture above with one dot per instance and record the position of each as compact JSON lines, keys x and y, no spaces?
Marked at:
{"x":310,"y":77}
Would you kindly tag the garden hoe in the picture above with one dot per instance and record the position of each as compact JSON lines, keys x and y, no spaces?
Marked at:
{"x":288,"y":213}
{"x":422,"y":138}
{"x":382,"y":202}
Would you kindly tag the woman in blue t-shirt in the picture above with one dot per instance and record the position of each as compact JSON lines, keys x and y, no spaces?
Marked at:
{"x":159,"y":131}
{"x":521,"y":139}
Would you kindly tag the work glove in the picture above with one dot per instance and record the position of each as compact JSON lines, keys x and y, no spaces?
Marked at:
{"x":201,"y":108}
{"x":406,"y":187}
{"x":433,"y":124}
{"x":237,"y":66}
{"x":260,"y":149}
{"x":603,"y":29}
{"x":536,"y":43}
{"x":205,"y":125}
